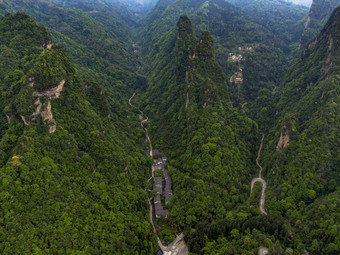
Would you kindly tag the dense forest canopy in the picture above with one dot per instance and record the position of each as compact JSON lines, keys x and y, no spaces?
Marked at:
{"x":241,"y":99}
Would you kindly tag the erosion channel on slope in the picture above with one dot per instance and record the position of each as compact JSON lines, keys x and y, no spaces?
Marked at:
{"x":178,"y":246}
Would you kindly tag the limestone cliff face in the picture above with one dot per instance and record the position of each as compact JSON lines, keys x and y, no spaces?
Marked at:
{"x":194,"y":58}
{"x":318,"y":15}
{"x":45,"y":109}
{"x":283,"y":141}
{"x":43,"y":106}
{"x":45,"y":82}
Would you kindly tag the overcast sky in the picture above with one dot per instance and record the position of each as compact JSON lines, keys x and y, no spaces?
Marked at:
{"x":302,"y":2}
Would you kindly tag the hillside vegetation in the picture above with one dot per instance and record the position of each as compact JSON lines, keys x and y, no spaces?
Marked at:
{"x":249,"y":126}
{"x":78,"y":187}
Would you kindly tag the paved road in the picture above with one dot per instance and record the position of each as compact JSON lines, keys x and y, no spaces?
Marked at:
{"x":259,"y":155}
{"x":263,"y":195}
{"x":131,"y":99}
{"x":264,"y":184}
{"x":263,"y":251}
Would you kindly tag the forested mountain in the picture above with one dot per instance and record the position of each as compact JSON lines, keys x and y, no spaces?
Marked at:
{"x":301,"y":157}
{"x":210,"y":83}
{"x":283,"y":18}
{"x":259,"y":55}
{"x":319,"y":13}
{"x":97,"y":39}
{"x":138,"y":7}
{"x":71,"y":178}
{"x":189,"y":103}
{"x":302,"y":2}
{"x":208,"y":138}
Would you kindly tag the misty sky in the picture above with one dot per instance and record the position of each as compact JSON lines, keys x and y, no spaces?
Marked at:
{"x":302,"y":2}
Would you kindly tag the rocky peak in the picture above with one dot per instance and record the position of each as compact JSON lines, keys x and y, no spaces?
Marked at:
{"x":184,"y":27}
{"x":205,"y":47}
{"x":185,"y":46}
{"x":319,"y":13}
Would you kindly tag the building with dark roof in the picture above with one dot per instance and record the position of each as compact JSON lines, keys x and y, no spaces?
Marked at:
{"x":159,"y":210}
{"x":155,"y":153}
{"x":158,"y":185}
{"x":168,"y":186}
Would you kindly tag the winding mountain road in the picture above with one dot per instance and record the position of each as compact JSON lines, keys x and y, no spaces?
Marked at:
{"x":259,"y":179}
{"x":263,"y":195}
{"x":263,"y":251}
{"x":142,"y":124}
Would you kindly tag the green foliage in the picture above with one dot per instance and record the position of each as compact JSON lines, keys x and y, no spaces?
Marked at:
{"x":319,"y":13}
{"x":79,"y":189}
{"x":304,"y":173}
{"x":82,"y":189}
{"x":282,"y":17}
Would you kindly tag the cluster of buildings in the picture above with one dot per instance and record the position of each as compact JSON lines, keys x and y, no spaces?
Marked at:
{"x":237,"y":77}
{"x":245,"y":48}
{"x":162,"y":185}
{"x":235,"y":58}
{"x":238,"y":57}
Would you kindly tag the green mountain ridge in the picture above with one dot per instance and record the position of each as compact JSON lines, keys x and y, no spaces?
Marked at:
{"x":60,"y":188}
{"x":212,"y":85}
{"x":262,"y":67}
{"x":303,"y":163}
{"x":183,"y":97}
{"x":319,"y":13}
{"x":283,"y":18}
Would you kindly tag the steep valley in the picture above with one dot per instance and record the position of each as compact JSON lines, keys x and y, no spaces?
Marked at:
{"x":230,"y":107}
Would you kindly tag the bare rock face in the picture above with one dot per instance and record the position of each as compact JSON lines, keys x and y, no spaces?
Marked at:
{"x":47,"y":45}
{"x":45,"y":110}
{"x":53,"y":93}
{"x":48,"y":117}
{"x":24,"y":120}
{"x":31,"y":82}
{"x":8,"y":118}
{"x":44,"y":106}
{"x":283,"y":142}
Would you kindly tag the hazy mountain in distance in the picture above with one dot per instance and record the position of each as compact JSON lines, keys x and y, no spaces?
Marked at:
{"x":143,"y":2}
{"x":285,"y":19}
{"x":302,"y":2}
{"x":139,"y":7}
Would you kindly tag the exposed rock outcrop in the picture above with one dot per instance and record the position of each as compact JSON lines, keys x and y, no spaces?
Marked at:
{"x":8,"y":118}
{"x":53,"y":93}
{"x":47,"y":45}
{"x":31,"y":82}
{"x":283,"y":141}
{"x":24,"y":120}
{"x":47,"y":116}
{"x":44,"y":107}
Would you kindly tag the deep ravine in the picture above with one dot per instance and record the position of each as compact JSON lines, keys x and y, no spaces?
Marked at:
{"x":178,"y":246}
